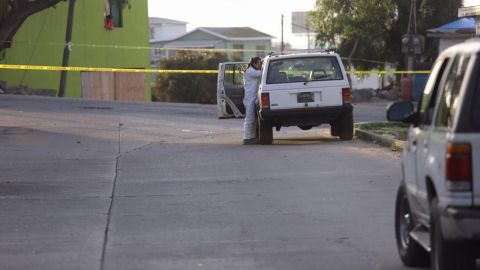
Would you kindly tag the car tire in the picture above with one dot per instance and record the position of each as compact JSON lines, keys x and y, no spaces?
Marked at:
{"x":447,"y":255}
{"x":305,"y":127}
{"x":265,"y":132}
{"x":411,"y":253}
{"x":346,"y":127}
{"x":334,"y":129}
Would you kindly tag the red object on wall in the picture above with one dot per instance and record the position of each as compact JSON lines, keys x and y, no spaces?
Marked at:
{"x":406,"y":88}
{"x":108,"y":22}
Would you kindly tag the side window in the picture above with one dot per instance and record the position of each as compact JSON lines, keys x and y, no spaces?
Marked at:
{"x":113,"y":14}
{"x":427,"y":104}
{"x":233,"y":74}
{"x":449,"y":101}
{"x":238,"y":74}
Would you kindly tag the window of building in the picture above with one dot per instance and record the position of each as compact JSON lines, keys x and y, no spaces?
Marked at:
{"x":238,"y":53}
{"x":116,"y":13}
{"x":261,"y":51}
{"x":152,"y":33}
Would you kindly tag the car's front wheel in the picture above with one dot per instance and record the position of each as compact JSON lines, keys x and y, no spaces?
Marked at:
{"x":265,"y":132}
{"x":411,"y":253}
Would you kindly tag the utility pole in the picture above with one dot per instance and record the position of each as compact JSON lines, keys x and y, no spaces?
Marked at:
{"x":412,"y":47}
{"x":308,"y":34}
{"x":282,"y":45}
{"x":67,"y":49}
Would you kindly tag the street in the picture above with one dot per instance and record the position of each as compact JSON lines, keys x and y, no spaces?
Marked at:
{"x":112,"y":185}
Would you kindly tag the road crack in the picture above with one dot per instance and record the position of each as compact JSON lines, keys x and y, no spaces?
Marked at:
{"x":112,"y":197}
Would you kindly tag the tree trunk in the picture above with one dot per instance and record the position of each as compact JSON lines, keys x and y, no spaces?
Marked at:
{"x":352,"y":53}
{"x":19,"y":11}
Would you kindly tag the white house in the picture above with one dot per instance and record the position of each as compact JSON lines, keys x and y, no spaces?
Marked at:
{"x":161,"y":31}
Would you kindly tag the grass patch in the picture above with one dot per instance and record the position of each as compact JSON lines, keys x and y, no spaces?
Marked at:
{"x":396,"y":130}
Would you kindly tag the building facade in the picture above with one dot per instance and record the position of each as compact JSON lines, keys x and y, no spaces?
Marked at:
{"x":104,"y":35}
{"x":240,"y":43}
{"x":162,"y":31}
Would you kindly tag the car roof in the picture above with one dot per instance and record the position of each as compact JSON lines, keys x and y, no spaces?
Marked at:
{"x":297,"y":55}
{"x":469,"y":46}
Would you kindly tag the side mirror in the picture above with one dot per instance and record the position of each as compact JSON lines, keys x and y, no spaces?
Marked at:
{"x":401,"y":111}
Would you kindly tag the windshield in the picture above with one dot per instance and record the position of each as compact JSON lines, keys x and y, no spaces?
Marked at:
{"x":304,"y":69}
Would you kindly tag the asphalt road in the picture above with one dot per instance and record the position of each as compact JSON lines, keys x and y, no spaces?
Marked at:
{"x":110,"y":185}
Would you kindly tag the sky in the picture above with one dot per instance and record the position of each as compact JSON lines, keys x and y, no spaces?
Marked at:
{"x":262,"y":15}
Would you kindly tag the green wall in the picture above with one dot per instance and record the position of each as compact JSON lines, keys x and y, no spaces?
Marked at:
{"x":39,"y":42}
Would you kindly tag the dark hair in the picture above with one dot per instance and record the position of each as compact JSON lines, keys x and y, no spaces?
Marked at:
{"x":254,"y":60}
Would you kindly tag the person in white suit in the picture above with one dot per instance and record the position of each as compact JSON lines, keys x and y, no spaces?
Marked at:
{"x":251,"y":81}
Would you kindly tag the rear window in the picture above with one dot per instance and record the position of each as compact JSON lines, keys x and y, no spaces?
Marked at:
{"x":324,"y":68}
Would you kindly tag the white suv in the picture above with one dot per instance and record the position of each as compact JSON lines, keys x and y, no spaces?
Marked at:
{"x":303,"y":90}
{"x":438,"y":202}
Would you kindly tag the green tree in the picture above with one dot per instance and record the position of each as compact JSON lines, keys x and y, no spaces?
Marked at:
{"x":357,"y":28}
{"x":430,"y":14}
{"x":191,"y":88}
{"x":14,"y":12}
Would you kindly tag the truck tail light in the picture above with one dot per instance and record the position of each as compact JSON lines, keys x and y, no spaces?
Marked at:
{"x":458,"y":170}
{"x":346,"y":95}
{"x":265,"y":101}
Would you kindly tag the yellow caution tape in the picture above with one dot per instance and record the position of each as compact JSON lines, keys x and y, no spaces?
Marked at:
{"x":133,"y":70}
{"x":192,"y":71}
{"x":385,"y":72}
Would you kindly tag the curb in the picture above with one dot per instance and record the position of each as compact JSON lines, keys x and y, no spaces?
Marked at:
{"x":393,"y":144}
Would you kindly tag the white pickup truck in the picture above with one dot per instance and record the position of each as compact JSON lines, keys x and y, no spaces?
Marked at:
{"x":437,"y":217}
{"x":303,"y":90}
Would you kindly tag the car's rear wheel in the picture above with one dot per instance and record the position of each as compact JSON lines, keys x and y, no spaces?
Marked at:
{"x":265,"y":132}
{"x":346,"y":127}
{"x":334,"y":129}
{"x":411,"y":253}
{"x":446,"y":255}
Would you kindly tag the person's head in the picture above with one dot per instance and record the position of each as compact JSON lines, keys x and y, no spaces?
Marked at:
{"x":255,"y":62}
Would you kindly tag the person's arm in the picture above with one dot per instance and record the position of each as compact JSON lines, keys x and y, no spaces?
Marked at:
{"x":251,"y":72}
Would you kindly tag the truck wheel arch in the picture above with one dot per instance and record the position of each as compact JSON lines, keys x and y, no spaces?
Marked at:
{"x":431,"y":192}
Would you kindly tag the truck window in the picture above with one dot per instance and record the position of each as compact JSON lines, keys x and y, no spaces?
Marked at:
{"x":233,"y":74}
{"x":449,"y":101}
{"x":430,"y":93}
{"x":325,"y":68}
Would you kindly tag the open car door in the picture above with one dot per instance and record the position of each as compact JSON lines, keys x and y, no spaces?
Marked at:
{"x":230,"y":89}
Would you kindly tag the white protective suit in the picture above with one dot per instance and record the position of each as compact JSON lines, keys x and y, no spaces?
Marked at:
{"x":251,"y":81}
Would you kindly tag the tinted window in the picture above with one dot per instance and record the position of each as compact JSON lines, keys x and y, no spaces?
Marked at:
{"x":304,"y":69}
{"x":449,"y":101}
{"x":430,"y":93}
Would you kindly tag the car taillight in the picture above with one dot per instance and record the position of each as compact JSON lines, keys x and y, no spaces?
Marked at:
{"x":265,"y":101}
{"x":458,"y":170}
{"x":346,"y":95}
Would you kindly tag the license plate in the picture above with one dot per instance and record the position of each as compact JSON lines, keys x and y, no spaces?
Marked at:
{"x":305,"y":97}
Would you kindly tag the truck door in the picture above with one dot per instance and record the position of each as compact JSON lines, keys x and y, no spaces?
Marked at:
{"x":420,"y":142}
{"x":230,"y":89}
